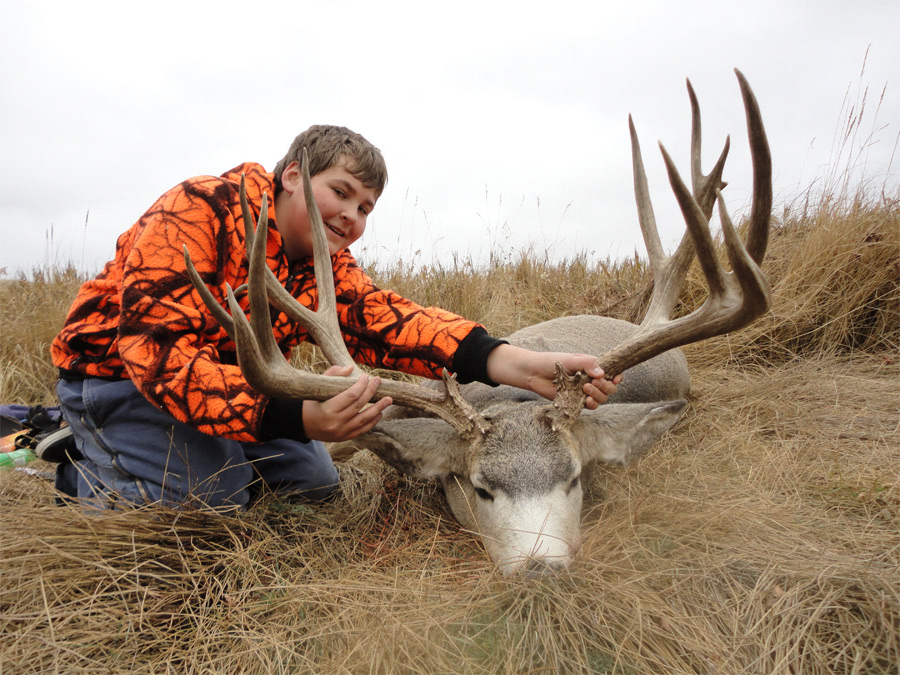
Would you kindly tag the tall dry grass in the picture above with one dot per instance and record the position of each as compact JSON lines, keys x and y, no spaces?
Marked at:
{"x":32,"y":310}
{"x":834,"y":271}
{"x":521,"y":288}
{"x":761,"y":536}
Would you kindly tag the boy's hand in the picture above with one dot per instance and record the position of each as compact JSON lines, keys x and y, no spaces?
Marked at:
{"x":346,"y":415}
{"x":599,"y":389}
{"x":535,"y":371}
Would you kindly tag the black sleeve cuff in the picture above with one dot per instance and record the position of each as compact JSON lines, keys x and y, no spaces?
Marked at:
{"x":283,"y":418}
{"x":470,"y":360}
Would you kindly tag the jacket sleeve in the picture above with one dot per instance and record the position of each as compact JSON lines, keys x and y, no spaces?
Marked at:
{"x":168,"y":341}
{"x":385,"y":330}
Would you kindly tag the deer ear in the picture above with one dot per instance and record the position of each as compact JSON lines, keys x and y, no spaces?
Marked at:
{"x":621,"y":432}
{"x":420,"y":447}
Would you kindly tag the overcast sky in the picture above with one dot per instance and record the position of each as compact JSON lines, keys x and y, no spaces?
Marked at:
{"x":503,"y":123}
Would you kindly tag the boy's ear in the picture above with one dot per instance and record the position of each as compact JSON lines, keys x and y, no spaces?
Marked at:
{"x":291,"y":177}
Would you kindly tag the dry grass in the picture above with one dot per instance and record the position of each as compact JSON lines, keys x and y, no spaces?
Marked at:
{"x":522,"y":288}
{"x":834,"y":274}
{"x":762,"y":535}
{"x":31,"y":313}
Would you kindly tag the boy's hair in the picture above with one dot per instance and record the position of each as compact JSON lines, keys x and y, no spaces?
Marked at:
{"x":326,"y":145}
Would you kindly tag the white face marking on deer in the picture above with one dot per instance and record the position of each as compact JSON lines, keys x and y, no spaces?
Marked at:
{"x":511,"y":465}
{"x":527,"y":485}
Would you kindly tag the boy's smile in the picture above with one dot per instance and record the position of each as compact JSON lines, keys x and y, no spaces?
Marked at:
{"x":344,"y":202}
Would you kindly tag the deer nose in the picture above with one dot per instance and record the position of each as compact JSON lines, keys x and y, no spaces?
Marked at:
{"x":536,"y":567}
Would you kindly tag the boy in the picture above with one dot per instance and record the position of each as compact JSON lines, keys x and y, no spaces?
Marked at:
{"x":149,"y":382}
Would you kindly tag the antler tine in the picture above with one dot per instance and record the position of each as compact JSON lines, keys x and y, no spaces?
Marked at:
{"x":735,"y":299}
{"x":761,"y":206}
{"x":219,"y":314}
{"x":261,"y":360}
{"x":256,"y":340}
{"x":698,"y":227}
{"x":249,"y":230}
{"x":646,"y":218}
{"x":704,"y":187}
{"x":755,"y":290}
{"x":668,"y":273}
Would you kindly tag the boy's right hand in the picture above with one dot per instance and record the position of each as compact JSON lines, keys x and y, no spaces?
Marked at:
{"x":346,"y":415}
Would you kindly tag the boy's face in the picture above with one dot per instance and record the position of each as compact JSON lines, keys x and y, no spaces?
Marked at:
{"x":344,"y":202}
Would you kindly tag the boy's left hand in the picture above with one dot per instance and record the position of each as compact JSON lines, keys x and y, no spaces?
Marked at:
{"x":535,"y":371}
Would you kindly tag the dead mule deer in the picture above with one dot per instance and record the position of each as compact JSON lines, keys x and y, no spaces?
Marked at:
{"x":510,"y":462}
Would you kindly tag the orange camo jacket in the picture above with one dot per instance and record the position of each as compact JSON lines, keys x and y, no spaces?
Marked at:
{"x":141,"y":318}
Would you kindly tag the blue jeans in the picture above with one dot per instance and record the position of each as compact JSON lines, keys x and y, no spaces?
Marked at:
{"x":134,"y":453}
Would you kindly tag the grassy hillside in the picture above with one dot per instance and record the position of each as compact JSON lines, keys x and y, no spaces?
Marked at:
{"x":762,"y":535}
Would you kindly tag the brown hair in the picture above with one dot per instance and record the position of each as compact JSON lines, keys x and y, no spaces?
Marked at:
{"x":326,"y":145}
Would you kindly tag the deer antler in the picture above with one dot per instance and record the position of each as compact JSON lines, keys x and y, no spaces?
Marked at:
{"x":736,"y":298}
{"x":263,"y":364}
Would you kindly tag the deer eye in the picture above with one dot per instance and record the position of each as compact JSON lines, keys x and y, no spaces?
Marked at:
{"x":573,"y":484}
{"x":484,"y":494}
